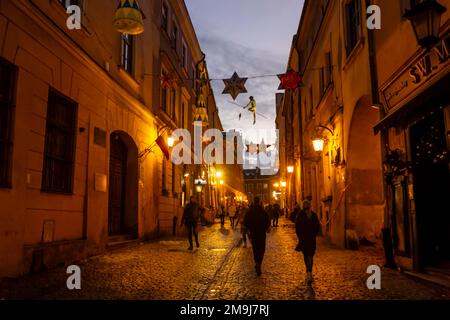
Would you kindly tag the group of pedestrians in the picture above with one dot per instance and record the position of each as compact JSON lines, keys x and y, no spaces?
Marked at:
{"x":255,"y":222}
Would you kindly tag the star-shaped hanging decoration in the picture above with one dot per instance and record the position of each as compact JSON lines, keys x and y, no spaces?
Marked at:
{"x":290,"y":80}
{"x":234,"y":86}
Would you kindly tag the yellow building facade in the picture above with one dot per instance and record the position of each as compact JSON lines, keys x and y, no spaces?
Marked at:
{"x":81,"y":111}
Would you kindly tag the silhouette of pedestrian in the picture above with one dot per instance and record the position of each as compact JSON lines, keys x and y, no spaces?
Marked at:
{"x":189,"y":219}
{"x":257,"y":222}
{"x":307,"y":228}
{"x":222,"y":215}
{"x":276,"y":214}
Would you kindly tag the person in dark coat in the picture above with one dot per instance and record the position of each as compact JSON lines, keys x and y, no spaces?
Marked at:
{"x":276,"y":214}
{"x":257,"y":222}
{"x":307,"y":227}
{"x":189,"y":219}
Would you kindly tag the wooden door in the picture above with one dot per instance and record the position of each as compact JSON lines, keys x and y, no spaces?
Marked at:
{"x":117,"y":174}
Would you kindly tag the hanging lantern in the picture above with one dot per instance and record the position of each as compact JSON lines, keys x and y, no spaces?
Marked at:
{"x":201,"y":117}
{"x":128,"y":18}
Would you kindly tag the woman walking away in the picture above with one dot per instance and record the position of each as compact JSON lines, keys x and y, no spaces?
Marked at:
{"x":307,"y":227}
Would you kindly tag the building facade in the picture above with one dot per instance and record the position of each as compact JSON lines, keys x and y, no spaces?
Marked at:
{"x":334,"y":106}
{"x":413,"y":87}
{"x":80,"y":113}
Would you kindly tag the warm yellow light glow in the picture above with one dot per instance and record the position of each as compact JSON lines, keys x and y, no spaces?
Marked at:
{"x":290,"y":169}
{"x":276,"y":185}
{"x":186,"y":175}
{"x":198,"y":188}
{"x":283,"y":184}
{"x":318,"y":145}
{"x":218,"y":174}
{"x":170,"y":142}
{"x":221,"y":182}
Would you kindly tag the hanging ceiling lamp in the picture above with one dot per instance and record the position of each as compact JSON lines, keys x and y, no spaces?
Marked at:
{"x":201,"y":117}
{"x":128,"y":18}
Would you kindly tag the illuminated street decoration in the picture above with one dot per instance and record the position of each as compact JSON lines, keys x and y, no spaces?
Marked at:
{"x":290,"y":80}
{"x":234,"y":86}
{"x":201,"y":112}
{"x":128,"y":18}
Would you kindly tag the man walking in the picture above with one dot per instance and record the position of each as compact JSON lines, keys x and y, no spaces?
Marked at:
{"x":257,"y":222}
{"x":307,"y":228}
{"x":232,"y":213}
{"x":276,"y":214}
{"x":189,"y":219}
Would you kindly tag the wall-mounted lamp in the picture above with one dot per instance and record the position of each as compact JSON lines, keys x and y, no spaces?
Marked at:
{"x":318,"y":144}
{"x":425,"y":18}
{"x":290,"y":169}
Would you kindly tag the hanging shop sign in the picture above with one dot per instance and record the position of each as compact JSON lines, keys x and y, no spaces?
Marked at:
{"x":420,"y":72}
{"x":200,"y":110}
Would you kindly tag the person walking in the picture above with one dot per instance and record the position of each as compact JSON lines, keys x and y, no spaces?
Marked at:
{"x":232,"y":213}
{"x":189,"y":219}
{"x":307,"y":227}
{"x":295,"y":213}
{"x":222,"y":215}
{"x":257,"y":222}
{"x":276,"y":214}
{"x":244,"y":230}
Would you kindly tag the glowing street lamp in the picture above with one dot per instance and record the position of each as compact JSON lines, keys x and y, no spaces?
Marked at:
{"x":283,"y":184}
{"x":218,"y":174}
{"x":276,"y":185}
{"x":290,"y":169}
{"x":318,"y":144}
{"x":170,"y":142}
{"x":221,"y":182}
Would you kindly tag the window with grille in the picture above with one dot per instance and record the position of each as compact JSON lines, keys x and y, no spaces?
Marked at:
{"x":353,"y":18}
{"x":127,"y":53}
{"x":7,"y":96}
{"x":59,"y":152}
{"x":165,"y":17}
{"x":174,"y":35}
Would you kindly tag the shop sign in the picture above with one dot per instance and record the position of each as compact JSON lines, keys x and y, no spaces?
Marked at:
{"x":418,"y":73}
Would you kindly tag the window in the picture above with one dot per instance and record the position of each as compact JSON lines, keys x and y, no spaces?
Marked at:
{"x":184,"y":55}
{"x":173,"y":178}
{"x":127,"y":53}
{"x":174,"y":35}
{"x":7,"y":96}
{"x":353,"y":13}
{"x":68,"y":3}
{"x":328,"y":76}
{"x":183,"y":115}
{"x":165,"y":17}
{"x":164,"y":93}
{"x":57,"y":174}
{"x":164,"y":178}
{"x":173,"y":101}
{"x":322,"y":81}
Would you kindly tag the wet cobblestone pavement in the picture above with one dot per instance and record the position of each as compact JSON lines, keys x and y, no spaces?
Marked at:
{"x":223,"y":269}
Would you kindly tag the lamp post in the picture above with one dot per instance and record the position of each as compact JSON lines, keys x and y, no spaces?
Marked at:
{"x":425,"y":18}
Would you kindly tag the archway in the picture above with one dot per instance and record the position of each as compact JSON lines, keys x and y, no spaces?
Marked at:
{"x":365,"y":197}
{"x":123,"y":186}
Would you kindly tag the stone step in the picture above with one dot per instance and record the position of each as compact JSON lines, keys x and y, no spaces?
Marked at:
{"x":436,"y":278}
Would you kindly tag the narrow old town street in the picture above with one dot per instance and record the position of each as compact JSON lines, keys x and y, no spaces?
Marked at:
{"x":223,"y":269}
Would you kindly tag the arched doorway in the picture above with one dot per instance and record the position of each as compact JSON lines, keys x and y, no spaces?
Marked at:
{"x":123,"y":186}
{"x":365,"y":196}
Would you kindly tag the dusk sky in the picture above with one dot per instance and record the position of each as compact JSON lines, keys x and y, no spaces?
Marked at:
{"x":253,"y":38}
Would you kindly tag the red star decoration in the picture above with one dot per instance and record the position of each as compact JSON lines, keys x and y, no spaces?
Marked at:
{"x":290,"y":80}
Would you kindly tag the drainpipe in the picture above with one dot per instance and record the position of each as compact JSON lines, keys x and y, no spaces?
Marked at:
{"x":386,"y":232}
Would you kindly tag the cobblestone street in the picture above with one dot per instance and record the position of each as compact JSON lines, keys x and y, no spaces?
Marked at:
{"x":223,"y":269}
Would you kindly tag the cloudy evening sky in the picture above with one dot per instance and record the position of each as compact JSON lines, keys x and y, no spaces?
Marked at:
{"x":253,"y":38}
